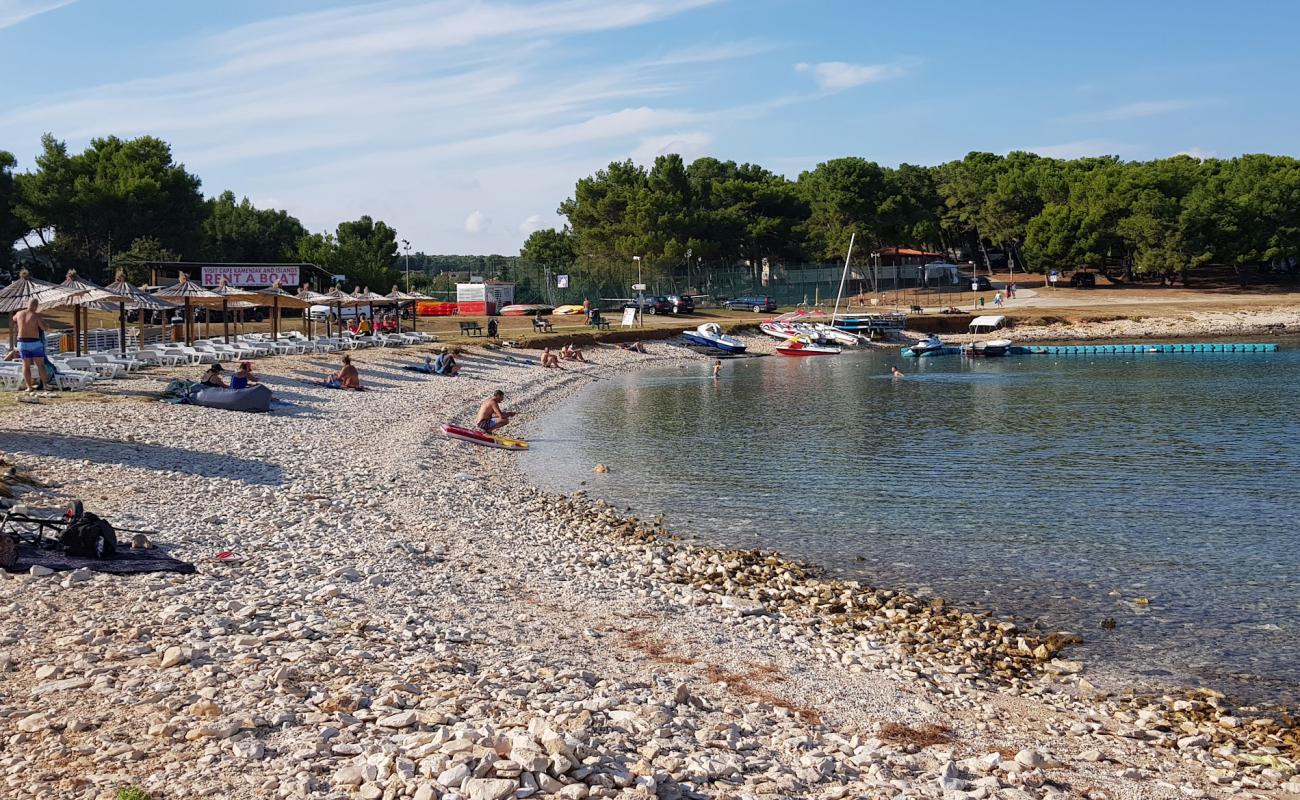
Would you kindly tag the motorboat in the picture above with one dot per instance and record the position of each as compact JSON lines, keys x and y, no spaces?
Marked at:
{"x":797,"y":347}
{"x":836,"y":335}
{"x":710,"y":335}
{"x":927,"y":345}
{"x":989,"y":349}
{"x":779,"y":329}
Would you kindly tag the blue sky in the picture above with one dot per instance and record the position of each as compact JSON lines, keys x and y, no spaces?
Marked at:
{"x":464,"y":124}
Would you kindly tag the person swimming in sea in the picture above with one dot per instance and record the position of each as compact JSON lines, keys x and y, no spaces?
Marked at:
{"x":894,"y":371}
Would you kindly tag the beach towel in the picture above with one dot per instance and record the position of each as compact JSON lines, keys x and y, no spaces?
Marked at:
{"x":125,"y":562}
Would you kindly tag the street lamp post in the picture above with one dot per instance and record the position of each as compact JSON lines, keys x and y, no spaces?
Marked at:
{"x":406,"y":246}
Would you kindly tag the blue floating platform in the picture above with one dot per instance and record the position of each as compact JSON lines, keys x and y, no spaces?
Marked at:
{"x":1139,"y":349}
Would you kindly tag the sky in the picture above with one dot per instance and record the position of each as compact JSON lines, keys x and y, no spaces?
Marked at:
{"x":465,"y":123}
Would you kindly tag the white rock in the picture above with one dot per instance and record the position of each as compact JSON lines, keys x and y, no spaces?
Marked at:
{"x":1030,"y":758}
{"x":489,"y":788}
{"x":40,"y":571}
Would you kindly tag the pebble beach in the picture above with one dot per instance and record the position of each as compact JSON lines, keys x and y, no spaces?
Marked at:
{"x":403,"y":616}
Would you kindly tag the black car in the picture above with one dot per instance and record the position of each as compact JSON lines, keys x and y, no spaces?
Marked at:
{"x":978,"y":283}
{"x":681,"y":303}
{"x":1084,"y":280}
{"x":757,"y":303}
{"x":652,"y":304}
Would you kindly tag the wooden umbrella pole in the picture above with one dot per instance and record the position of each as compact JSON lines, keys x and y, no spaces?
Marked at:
{"x":275,"y":318}
{"x":121,"y":327}
{"x":225,"y":318}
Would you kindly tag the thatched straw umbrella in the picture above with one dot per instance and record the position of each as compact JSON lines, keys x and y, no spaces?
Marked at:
{"x":190,"y":293}
{"x":134,"y":298}
{"x":279,"y":298}
{"x":84,"y":294}
{"x":400,"y":297}
{"x":244,"y":298}
{"x":312,"y":299}
{"x":17,"y":295}
{"x":339,"y":298}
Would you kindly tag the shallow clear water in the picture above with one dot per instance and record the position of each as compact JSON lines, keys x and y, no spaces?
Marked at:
{"x":1063,"y":488}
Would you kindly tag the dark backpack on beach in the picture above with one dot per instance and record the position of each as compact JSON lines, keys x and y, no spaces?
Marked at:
{"x":88,"y":536}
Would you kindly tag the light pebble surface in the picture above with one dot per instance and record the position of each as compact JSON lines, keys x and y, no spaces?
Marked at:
{"x":406,"y":618}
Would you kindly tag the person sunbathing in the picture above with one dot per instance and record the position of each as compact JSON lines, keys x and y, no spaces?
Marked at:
{"x":549,"y":359}
{"x":213,"y":377}
{"x":633,"y":347}
{"x":243,"y":376}
{"x":446,"y":364}
{"x":346,"y":378}
{"x":571,"y":353}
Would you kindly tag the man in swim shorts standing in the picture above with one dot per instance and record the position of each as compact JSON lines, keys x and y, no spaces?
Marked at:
{"x":490,"y":416}
{"x":31,"y":346}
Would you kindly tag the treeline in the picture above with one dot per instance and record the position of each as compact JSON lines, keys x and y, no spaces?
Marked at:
{"x":120,"y":203}
{"x":1159,"y":217}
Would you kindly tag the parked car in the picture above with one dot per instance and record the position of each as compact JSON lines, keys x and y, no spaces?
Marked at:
{"x":681,"y":303}
{"x":1084,"y":280}
{"x":652,"y":304}
{"x":757,"y":303}
{"x":978,"y":283}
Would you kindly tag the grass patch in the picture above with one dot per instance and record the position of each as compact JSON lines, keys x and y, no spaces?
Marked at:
{"x":131,"y":793}
{"x":925,"y":736}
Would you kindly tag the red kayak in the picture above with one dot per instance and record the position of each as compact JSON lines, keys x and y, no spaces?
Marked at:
{"x":476,"y":436}
{"x":795,"y":347}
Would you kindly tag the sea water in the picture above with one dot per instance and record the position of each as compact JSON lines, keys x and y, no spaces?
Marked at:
{"x":1160,"y":491}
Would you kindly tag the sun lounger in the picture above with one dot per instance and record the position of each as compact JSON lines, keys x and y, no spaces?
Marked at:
{"x":78,"y":364}
{"x":128,"y":364}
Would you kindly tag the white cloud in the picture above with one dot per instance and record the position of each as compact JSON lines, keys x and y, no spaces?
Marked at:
{"x":466,"y":89}
{"x":477,"y":222}
{"x":690,"y":146}
{"x":13,"y":12}
{"x":1083,"y":148}
{"x":532,"y":223}
{"x":835,"y":76}
{"x":1128,"y":111}
{"x":703,"y":54}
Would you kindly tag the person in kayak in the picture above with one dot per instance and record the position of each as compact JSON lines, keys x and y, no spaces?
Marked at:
{"x":490,"y":416}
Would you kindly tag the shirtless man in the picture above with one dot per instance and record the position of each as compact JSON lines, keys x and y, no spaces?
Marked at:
{"x":490,"y":416}
{"x":31,"y":347}
{"x":549,"y":359}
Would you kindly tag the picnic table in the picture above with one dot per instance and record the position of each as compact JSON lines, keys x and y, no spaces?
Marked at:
{"x":471,"y":328}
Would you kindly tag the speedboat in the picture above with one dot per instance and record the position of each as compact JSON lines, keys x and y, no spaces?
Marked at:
{"x":836,"y":335}
{"x":710,"y":335}
{"x":780,"y":330}
{"x":927,"y":345}
{"x":989,"y":349}
{"x":797,"y":347}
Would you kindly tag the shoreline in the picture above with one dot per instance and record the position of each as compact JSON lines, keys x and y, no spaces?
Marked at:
{"x":670,"y":632}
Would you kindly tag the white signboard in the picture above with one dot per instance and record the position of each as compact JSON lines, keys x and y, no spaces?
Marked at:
{"x":629,"y":317}
{"x":236,"y":275}
{"x":561,"y":281}
{"x":638,"y":287}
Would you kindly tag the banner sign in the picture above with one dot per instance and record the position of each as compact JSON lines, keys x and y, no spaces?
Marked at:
{"x":629,"y":317}
{"x":236,"y":275}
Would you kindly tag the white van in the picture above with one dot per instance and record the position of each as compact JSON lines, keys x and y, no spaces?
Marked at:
{"x":346,"y":312}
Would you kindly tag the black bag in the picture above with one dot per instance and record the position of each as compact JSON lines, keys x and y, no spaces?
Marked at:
{"x":88,"y":536}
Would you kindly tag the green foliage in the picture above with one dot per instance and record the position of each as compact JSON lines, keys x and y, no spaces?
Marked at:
{"x":106,"y":197}
{"x":11,"y":224}
{"x":131,"y":793}
{"x":239,"y":232}
{"x":132,"y":261}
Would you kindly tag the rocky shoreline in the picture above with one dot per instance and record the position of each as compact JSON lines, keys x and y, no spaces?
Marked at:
{"x":403,"y":617}
{"x":1265,"y":322}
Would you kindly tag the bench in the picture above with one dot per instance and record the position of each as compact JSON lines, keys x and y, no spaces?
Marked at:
{"x":542,"y":325}
{"x":601,"y":323}
{"x":471,"y":328}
